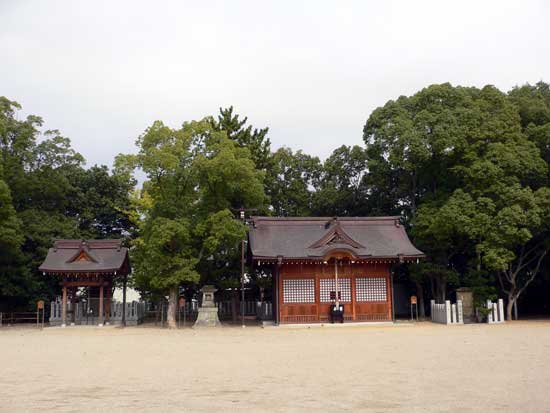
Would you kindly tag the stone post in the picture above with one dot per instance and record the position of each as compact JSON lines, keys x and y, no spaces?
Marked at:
{"x":501,"y":310}
{"x":490,"y":315}
{"x":453,"y":314}
{"x":460,"y":312}
{"x":447,"y":311}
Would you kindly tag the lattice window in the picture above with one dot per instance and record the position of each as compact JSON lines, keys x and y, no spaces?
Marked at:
{"x":370,"y":289}
{"x":329,"y":284}
{"x":299,"y":291}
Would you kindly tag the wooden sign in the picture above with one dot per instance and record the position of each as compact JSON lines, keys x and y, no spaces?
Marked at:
{"x":182,"y":302}
{"x":40,"y":305}
{"x":413,"y":299}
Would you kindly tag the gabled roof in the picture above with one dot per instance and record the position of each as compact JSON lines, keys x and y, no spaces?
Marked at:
{"x":315,"y":238}
{"x":336,"y":235}
{"x":89,"y":256}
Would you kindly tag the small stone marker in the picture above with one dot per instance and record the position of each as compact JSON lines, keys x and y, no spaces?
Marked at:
{"x":466,"y":296}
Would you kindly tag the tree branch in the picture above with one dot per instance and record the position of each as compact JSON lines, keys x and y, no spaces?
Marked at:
{"x":533,"y":273}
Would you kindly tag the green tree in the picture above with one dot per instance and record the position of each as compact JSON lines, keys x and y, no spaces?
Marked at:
{"x":100,"y":202}
{"x":195,"y":176}
{"x":246,"y":136}
{"x":456,"y":164}
{"x":533,"y":104}
{"x":291,"y":182}
{"x":341,"y":189}
{"x":412,"y":144}
{"x":53,"y":195}
{"x":15,"y":281}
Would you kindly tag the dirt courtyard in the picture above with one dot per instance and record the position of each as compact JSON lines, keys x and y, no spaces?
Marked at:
{"x":421,"y":367}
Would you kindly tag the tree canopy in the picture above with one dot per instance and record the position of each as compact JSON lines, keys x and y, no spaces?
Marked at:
{"x":466,"y":169}
{"x":196,"y":178}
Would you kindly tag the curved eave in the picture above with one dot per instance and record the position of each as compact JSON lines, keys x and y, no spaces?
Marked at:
{"x":358,"y":258}
{"x":76,"y":271}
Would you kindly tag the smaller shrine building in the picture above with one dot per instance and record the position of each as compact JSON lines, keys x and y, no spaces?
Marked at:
{"x":87,"y":263}
{"x":318,"y":261}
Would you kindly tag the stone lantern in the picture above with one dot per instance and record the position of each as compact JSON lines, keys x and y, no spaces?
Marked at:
{"x":208,"y":312}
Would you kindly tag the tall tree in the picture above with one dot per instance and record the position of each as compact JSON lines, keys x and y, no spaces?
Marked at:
{"x":412,"y":144}
{"x":15,"y":282}
{"x":341,"y":188}
{"x":244,"y":135}
{"x":195,"y":176}
{"x":100,"y":202}
{"x":291,"y":182}
{"x":533,"y":104}
{"x":53,"y":195}
{"x":457,"y":166}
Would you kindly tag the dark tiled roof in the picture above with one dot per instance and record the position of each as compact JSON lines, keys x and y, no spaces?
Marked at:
{"x":314,"y":238}
{"x":75,"y":255}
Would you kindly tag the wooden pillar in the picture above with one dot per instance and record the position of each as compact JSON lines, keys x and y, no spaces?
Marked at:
{"x":318,"y":293}
{"x":64,"y":308}
{"x":279,"y":291}
{"x":73,"y":305}
{"x":101,"y":287}
{"x":352,"y":290}
{"x":392,"y":297}
{"x":389,"y":292}
{"x":123,"y":321}
{"x":107,"y":310}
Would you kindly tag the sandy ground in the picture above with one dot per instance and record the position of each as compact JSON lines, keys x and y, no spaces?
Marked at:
{"x":422,"y":367}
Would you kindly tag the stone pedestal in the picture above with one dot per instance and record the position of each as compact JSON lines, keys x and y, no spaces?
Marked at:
{"x":466,"y":296}
{"x":208,"y":312}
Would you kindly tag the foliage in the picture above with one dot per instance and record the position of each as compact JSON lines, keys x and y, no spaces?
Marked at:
{"x":456,"y":164}
{"x":341,"y":188}
{"x":196,"y":176}
{"x":255,"y":140}
{"x":53,"y":196}
{"x":291,"y":182}
{"x":14,"y":277}
{"x":467,"y":170}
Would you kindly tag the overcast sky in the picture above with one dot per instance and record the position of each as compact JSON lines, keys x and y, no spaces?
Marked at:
{"x":102,"y":71}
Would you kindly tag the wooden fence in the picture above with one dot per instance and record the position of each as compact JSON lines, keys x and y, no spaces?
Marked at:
{"x":20,"y":318}
{"x":447,"y":313}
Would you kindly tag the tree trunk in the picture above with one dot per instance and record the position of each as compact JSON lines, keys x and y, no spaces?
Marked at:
{"x":420,"y":297}
{"x":510,"y":306}
{"x":442,"y":290}
{"x":172,"y":304}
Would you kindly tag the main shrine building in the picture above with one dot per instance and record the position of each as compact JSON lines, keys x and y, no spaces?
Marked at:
{"x":319,"y":261}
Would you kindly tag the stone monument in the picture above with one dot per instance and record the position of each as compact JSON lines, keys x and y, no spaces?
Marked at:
{"x":467,"y":297}
{"x":208,"y":312}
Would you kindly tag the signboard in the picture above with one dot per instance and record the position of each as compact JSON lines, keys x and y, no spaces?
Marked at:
{"x":413,"y":299}
{"x":40,"y":305}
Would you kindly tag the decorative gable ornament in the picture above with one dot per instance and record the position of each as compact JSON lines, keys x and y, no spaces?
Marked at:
{"x":336,"y":235}
{"x":83,"y":254}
